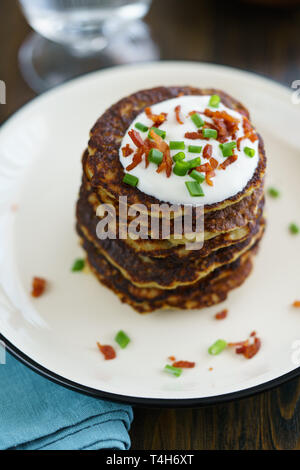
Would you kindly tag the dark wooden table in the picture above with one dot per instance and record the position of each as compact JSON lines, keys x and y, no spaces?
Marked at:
{"x":255,"y":38}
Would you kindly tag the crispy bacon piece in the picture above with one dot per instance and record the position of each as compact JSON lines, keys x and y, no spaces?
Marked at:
{"x":296,"y":303}
{"x":136,"y":138}
{"x":208,"y":176}
{"x":210,"y":369}
{"x":107,"y":351}
{"x":207,"y":151}
{"x":127,"y":150}
{"x":143,"y":147}
{"x":204,"y":168}
{"x":184,"y":364}
{"x":249,"y":133}
{"x":253,"y":333}
{"x":157,"y":119}
{"x":172,"y":358}
{"x":213,"y":163}
{"x":166,"y":164}
{"x":225,"y":124}
{"x":228,"y":161}
{"x":137,"y":158}
{"x":221,"y":315}
{"x":194,"y":135}
{"x":38,"y":286}
{"x":177,"y":114}
{"x":247,"y":348}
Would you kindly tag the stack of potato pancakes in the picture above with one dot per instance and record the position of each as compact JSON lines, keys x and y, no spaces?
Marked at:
{"x":152,"y":274}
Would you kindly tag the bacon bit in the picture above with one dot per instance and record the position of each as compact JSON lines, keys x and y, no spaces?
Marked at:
{"x":228,"y":161}
{"x":143,"y":148}
{"x":208,"y":177}
{"x":127,"y":150}
{"x":207,"y":151}
{"x":166,"y":164}
{"x":249,"y":133}
{"x":136,"y":138}
{"x":225,"y":124}
{"x":296,"y":303}
{"x":157,"y":119}
{"x":137,"y":158}
{"x":221,"y":315}
{"x":213,"y":163}
{"x":194,"y":135}
{"x":172,"y":358}
{"x":14,"y":207}
{"x":180,"y":94}
{"x":184,"y":364}
{"x":204,"y":168}
{"x":107,"y":351}
{"x":246,"y":348}
{"x":210,"y":369}
{"x":38,"y":286}
{"x":177,"y":114}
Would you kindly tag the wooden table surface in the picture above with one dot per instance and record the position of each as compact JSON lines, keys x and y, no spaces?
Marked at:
{"x":254,"y":38}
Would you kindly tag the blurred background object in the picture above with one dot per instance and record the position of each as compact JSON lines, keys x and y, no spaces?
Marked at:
{"x":73,"y":37}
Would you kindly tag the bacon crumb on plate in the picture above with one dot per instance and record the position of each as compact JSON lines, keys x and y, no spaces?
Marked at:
{"x":296,"y":303}
{"x":184,"y":364}
{"x":107,"y":351}
{"x":221,"y":315}
{"x":247,"y":348}
{"x":38,"y":286}
{"x":172,"y":358}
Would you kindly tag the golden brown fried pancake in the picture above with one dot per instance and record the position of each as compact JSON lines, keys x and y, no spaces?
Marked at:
{"x":165,"y":273}
{"x":103,"y":168}
{"x":209,"y":291}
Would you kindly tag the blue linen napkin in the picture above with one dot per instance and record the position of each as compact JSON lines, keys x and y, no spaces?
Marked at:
{"x":36,"y":414}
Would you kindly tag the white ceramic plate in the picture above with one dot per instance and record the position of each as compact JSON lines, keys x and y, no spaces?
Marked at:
{"x":40,"y":151}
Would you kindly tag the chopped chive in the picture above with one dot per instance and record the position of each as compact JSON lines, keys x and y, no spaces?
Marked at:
{"x":197,"y":120}
{"x":78,"y":265}
{"x":157,"y":131}
{"x":181,"y":168}
{"x":273,"y":192}
{"x":122,"y":339}
{"x":210,"y":133}
{"x":214,"y":101}
{"x":195,"y":149}
{"x":249,"y":152}
{"x":194,"y":188}
{"x":227,"y":148}
{"x":176,"y":145}
{"x":179,"y":157}
{"x":217,"y":347}
{"x":196,"y":175}
{"x":141,"y":127}
{"x":130,"y":179}
{"x":176,"y":371}
{"x":294,"y":228}
{"x":155,"y":156}
{"x":194,"y":162}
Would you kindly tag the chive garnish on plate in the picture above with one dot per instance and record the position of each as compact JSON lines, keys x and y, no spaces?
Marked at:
{"x":197,"y":120}
{"x":194,"y":188}
{"x":157,"y":131}
{"x":194,"y":148}
{"x":210,"y":133}
{"x":249,"y":152}
{"x":176,"y":371}
{"x":155,"y":156}
{"x":122,"y":339}
{"x":130,"y":179}
{"x":141,"y":127}
{"x":217,"y":347}
{"x":78,"y":265}
{"x":227,"y":148}
{"x":214,"y":101}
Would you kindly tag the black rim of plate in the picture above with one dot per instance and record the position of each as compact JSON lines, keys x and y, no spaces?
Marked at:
{"x":147,"y":401}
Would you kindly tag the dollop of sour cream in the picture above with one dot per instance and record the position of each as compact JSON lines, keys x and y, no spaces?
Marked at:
{"x":226,"y":183}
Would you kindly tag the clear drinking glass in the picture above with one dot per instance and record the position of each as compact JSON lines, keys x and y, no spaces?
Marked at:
{"x":77,"y":36}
